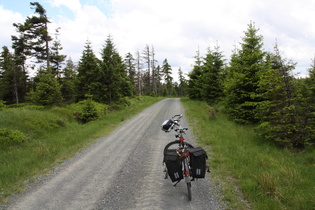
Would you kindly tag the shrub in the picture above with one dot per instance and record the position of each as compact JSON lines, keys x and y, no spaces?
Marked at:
{"x":212,"y":112}
{"x":89,"y":112}
{"x":2,"y":104}
{"x":11,"y":137}
{"x":47,"y":92}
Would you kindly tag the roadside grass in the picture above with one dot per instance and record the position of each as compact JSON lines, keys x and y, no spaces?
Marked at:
{"x":52,"y":135}
{"x":253,"y":173}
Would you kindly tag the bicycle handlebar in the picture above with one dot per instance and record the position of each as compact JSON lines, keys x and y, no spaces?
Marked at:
{"x":168,"y":125}
{"x":177,"y":115}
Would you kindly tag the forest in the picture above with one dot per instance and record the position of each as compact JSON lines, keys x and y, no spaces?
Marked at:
{"x":256,"y":87}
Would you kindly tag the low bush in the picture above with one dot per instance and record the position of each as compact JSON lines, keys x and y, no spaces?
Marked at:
{"x":11,"y":137}
{"x":211,"y":112}
{"x":2,"y":104}
{"x":89,"y":111}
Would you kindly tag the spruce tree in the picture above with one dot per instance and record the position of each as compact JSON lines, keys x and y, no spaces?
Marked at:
{"x":158,"y":80}
{"x":194,"y":85}
{"x":68,"y":81}
{"x":47,"y":90}
{"x":56,"y":58}
{"x":241,"y":84}
{"x":211,"y":79}
{"x":114,"y":78}
{"x":12,"y":78}
{"x":284,"y":111}
{"x":182,"y":86}
{"x":167,"y":72}
{"x":88,"y":65}
{"x":310,"y":89}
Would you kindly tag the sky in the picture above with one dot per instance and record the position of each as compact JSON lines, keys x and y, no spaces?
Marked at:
{"x":176,"y":29}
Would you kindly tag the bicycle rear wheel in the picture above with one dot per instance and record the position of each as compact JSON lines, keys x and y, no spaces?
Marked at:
{"x":175,"y":143}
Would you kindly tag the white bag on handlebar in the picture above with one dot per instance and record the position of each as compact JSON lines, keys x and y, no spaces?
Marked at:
{"x":167,"y":125}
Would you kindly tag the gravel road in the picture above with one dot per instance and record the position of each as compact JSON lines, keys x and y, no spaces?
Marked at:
{"x":122,"y":170}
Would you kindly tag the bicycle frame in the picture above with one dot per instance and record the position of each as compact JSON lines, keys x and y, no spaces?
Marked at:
{"x":182,"y":151}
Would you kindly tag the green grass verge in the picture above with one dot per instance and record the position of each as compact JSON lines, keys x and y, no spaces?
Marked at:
{"x":52,"y":135}
{"x":253,"y":173}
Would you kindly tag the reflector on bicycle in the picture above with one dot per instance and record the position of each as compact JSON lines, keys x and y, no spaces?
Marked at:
{"x":168,"y":125}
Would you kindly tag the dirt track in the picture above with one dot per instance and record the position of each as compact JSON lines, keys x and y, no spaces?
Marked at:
{"x":122,"y":171}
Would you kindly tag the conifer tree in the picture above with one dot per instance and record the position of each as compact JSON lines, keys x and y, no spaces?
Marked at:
{"x":167,"y":72}
{"x":34,"y":39}
{"x":182,"y":86}
{"x":311,"y":97}
{"x":114,"y":78}
{"x":56,"y":58}
{"x":158,"y":80}
{"x":68,"y":81}
{"x":284,"y":112}
{"x":12,"y":78}
{"x":194,"y":85}
{"x":211,"y":78}
{"x":311,"y":83}
{"x":241,"y":84}
{"x":87,"y":67}
{"x":47,"y":90}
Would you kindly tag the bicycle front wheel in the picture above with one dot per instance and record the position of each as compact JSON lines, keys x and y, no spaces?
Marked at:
{"x":189,"y":191}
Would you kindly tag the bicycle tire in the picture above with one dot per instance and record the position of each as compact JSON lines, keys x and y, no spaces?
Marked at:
{"x":175,"y":142}
{"x":189,"y":191}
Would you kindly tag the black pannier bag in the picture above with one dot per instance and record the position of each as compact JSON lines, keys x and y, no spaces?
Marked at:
{"x":198,"y":165}
{"x":173,"y":165}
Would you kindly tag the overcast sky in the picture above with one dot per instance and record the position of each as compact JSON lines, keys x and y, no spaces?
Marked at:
{"x":175,"y":28}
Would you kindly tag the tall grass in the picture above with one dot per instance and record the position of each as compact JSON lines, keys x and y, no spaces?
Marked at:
{"x":265,"y":176}
{"x":52,"y":136}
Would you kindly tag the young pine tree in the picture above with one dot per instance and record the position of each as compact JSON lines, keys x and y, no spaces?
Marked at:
{"x":194,"y":85}
{"x":68,"y":81}
{"x":88,"y":69}
{"x":56,"y":58}
{"x":182,"y":86}
{"x":114,"y":78}
{"x":211,"y":79}
{"x":284,"y":112}
{"x":47,"y":91}
{"x":241,"y":83}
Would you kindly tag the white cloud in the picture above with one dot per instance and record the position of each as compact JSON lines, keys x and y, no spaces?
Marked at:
{"x":73,"y":5}
{"x":177,"y":28}
{"x":75,"y":32}
{"x":6,"y":24}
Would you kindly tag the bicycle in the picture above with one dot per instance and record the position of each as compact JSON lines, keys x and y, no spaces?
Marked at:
{"x":185,"y":161}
